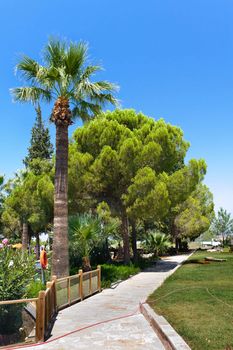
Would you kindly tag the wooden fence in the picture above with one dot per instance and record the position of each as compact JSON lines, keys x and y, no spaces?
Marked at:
{"x":59,"y":294}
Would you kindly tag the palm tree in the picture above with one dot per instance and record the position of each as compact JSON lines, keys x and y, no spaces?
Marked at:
{"x":157,"y":243}
{"x":64,"y":78}
{"x":85,"y":234}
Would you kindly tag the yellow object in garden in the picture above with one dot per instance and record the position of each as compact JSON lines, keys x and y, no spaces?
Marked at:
{"x":17,"y":245}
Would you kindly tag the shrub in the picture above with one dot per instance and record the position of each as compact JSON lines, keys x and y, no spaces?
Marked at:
{"x":157,"y":243}
{"x":112,"y":273}
{"x":33,"y":289}
{"x":16,"y":272}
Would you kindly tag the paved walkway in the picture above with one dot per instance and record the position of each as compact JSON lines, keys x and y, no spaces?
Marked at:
{"x":133,"y":332}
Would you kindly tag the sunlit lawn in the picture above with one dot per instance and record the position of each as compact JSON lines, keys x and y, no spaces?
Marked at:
{"x":198,"y":301}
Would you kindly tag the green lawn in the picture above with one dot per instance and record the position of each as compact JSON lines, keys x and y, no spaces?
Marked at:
{"x":198,"y":302}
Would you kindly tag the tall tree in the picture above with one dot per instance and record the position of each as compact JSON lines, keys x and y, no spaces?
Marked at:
{"x":40,"y":145}
{"x":222,"y":224}
{"x":195,"y":213}
{"x":65,"y":78}
{"x":120,"y":158}
{"x":180,"y":185}
{"x":30,"y":202}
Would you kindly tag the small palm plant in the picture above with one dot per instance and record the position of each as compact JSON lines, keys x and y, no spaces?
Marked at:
{"x":86,"y":233}
{"x":157,"y":243}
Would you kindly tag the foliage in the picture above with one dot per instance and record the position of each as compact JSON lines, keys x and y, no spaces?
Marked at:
{"x":30,"y":199}
{"x":64,"y":73}
{"x":34,"y":288}
{"x":113,"y":273}
{"x":195,"y":213}
{"x":40,"y":145}
{"x":16,"y":272}
{"x":157,"y":243}
{"x":125,"y":159}
{"x":110,"y":224}
{"x":85,"y":233}
{"x":222,"y":224}
{"x":65,"y":78}
{"x":153,"y":202}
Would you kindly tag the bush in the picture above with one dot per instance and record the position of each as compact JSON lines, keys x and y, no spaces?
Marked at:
{"x":157,"y":243}
{"x":112,"y":273}
{"x":17,"y":270}
{"x":33,"y":289}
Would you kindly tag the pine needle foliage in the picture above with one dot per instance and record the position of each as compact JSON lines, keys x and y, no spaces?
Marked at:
{"x":40,"y":145}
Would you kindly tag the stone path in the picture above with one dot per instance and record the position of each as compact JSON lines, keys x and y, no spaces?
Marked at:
{"x":133,"y":332}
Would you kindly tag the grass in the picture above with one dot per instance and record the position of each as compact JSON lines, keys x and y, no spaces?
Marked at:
{"x":111,"y":273}
{"x":198,"y":301}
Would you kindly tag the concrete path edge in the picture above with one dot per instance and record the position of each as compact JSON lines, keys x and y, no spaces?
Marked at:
{"x":166,"y":333}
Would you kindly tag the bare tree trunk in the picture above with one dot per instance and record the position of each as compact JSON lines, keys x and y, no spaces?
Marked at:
{"x":223,"y":240}
{"x":125,"y":233}
{"x":134,"y":242}
{"x":25,"y":237}
{"x":60,"y":259}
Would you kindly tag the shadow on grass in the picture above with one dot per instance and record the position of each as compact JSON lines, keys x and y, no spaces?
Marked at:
{"x":196,"y":261}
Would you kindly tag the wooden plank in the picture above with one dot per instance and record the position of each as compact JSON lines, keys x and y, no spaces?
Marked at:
{"x":90,"y":283}
{"x":54,"y":278}
{"x":68,"y":291}
{"x":81,"y":284}
{"x":40,"y":317}
{"x":18,"y":301}
{"x":99,"y":277}
{"x":64,"y":278}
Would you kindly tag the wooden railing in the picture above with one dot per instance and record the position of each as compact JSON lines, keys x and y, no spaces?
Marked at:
{"x":59,"y":294}
{"x":77,"y":287}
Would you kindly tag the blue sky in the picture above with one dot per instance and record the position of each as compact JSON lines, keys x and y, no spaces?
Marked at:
{"x":172,"y":59}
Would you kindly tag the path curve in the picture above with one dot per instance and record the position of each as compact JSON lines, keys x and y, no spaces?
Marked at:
{"x":132,"y":332}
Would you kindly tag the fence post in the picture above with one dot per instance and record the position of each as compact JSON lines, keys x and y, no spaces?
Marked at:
{"x":99,"y":277}
{"x":40,"y":317}
{"x":54,"y":279}
{"x":90,"y":282}
{"x":68,"y":289}
{"x":81,"y":283}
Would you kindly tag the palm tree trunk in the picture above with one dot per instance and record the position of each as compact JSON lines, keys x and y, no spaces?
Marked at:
{"x":25,"y":237}
{"x":125,"y":233}
{"x":60,"y":258}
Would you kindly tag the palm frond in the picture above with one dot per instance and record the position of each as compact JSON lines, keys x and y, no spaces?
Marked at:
{"x":107,"y":86}
{"x":88,"y":89}
{"x":65,"y":73}
{"x":86,"y":110}
{"x":54,"y":53}
{"x":89,"y":70}
{"x":35,"y":73}
{"x":30,"y":94}
{"x":102,"y":99}
{"x":28,"y":68}
{"x":74,"y":59}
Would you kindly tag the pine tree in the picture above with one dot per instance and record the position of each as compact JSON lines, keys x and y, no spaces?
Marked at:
{"x":40,"y":145}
